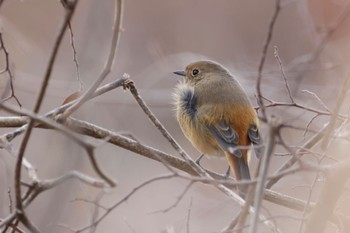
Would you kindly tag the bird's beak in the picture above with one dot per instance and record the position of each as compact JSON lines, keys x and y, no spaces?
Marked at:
{"x":180,"y":72}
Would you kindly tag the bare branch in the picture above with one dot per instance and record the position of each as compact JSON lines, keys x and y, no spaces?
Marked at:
{"x":263,"y":56}
{"x":10,"y":199}
{"x":309,"y":123}
{"x":286,"y":201}
{"x":334,"y":117}
{"x":88,"y":147}
{"x":239,"y":221}
{"x":9,"y":72}
{"x":19,"y":205}
{"x":127,"y":143}
{"x":48,"y":123}
{"x":317,"y":98}
{"x":26,"y":164}
{"x":283,"y":104}
{"x":38,"y":187}
{"x":51,"y":183}
{"x":308,"y":145}
{"x":90,"y":152}
{"x":283,"y":73}
{"x":308,"y":202}
{"x":18,"y":121}
{"x":188,"y":216}
{"x":75,"y":58}
{"x":179,"y":198}
{"x":149,"y":152}
{"x":124,"y":199}
{"x":107,"y":68}
{"x":259,"y":190}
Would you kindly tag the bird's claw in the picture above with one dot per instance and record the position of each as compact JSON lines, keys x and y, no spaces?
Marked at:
{"x":227,"y":173}
{"x":199,"y":159}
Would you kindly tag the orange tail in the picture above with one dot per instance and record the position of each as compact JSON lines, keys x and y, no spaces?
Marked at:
{"x":239,"y":167}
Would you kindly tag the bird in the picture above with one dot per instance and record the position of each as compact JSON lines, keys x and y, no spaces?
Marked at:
{"x":216,"y":115}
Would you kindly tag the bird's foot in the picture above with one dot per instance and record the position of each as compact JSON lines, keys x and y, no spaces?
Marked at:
{"x":199,"y":159}
{"x":227,"y":173}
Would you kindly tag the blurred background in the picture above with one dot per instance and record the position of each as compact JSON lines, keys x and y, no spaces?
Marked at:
{"x":159,"y":37}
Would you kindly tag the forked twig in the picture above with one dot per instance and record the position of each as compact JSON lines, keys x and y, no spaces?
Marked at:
{"x":8,"y":70}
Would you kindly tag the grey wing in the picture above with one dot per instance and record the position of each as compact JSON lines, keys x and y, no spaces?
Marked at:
{"x":226,"y":137}
{"x":254,"y":137}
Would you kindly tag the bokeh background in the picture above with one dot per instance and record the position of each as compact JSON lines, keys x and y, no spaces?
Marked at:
{"x":157,"y":38}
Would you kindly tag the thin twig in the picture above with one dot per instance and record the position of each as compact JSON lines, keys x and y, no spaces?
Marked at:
{"x":51,"y":183}
{"x":10,"y":199}
{"x":96,"y":210}
{"x":48,"y":123}
{"x":179,"y":198}
{"x":10,"y":218}
{"x":283,"y":73}
{"x":263,"y":57}
{"x":26,"y":164}
{"x":129,"y":226}
{"x":88,"y":147}
{"x":39,"y":187}
{"x":308,"y":200}
{"x":308,"y":124}
{"x":90,"y":152}
{"x":188,"y":216}
{"x":317,"y":98}
{"x":124,"y":199}
{"x":9,"y":72}
{"x":334,"y":117}
{"x":75,"y":57}
{"x":107,"y":67}
{"x":242,"y":216}
{"x":308,"y":145}
{"x":313,"y":110}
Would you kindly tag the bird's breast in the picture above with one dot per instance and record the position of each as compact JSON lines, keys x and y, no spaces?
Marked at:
{"x":186,"y":105}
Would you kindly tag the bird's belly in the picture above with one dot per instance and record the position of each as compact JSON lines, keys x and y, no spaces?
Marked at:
{"x":200,"y":136}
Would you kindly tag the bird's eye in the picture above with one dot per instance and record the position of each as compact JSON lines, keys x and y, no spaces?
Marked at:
{"x":195,"y":72}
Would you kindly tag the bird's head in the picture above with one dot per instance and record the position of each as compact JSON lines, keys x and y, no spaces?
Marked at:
{"x":202,"y":70}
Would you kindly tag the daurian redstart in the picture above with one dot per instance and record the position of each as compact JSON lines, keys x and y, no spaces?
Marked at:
{"x":215,"y":114}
